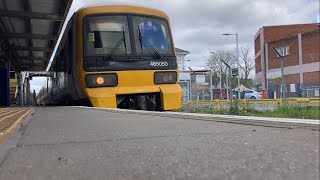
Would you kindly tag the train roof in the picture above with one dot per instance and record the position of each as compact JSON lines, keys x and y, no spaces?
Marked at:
{"x":119,"y":8}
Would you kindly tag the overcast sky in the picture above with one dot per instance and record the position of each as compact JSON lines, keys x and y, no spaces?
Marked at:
{"x":197,"y":25}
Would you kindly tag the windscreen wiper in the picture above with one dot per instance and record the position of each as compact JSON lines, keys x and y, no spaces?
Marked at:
{"x":122,"y":40}
{"x":144,"y":42}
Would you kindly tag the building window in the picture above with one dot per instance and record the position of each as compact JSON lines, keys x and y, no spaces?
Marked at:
{"x":283,"y":51}
{"x":287,"y":51}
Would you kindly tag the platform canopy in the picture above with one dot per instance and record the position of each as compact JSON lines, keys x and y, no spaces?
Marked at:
{"x":29,"y":30}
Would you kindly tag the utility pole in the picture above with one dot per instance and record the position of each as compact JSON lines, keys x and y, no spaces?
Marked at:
{"x":211,"y":93}
{"x":227,"y":84}
{"x":283,"y":86}
{"x":238,"y":63}
{"x":228,"y":66}
{"x":221,"y":77}
{"x":238,"y":66}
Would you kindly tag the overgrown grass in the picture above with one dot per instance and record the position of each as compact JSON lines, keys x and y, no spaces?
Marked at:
{"x":280,"y":112}
{"x":299,"y":112}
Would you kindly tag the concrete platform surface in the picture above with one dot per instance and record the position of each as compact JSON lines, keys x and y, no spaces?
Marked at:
{"x":78,"y":143}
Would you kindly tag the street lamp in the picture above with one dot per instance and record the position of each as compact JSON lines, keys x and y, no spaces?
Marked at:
{"x":188,"y":60}
{"x":228,"y":66}
{"x":283,"y":84}
{"x":183,"y":63}
{"x":236,"y":34}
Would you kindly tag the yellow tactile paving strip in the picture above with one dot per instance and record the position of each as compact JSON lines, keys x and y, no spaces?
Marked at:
{"x":10,"y":118}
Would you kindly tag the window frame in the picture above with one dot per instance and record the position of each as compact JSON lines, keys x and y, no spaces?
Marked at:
{"x":133,"y":53}
{"x":86,"y":30}
{"x":136,"y":41}
{"x":283,"y":51}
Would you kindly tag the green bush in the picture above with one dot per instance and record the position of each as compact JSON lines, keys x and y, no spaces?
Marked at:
{"x":298,"y":112}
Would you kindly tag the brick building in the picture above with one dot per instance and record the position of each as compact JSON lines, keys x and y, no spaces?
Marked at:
{"x":299,"y":46}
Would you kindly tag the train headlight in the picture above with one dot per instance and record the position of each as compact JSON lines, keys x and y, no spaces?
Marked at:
{"x":101,"y":80}
{"x":165,"y":77}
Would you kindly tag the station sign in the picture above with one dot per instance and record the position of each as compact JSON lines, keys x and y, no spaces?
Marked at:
{"x":184,"y":76}
{"x":200,"y":79}
{"x":234,"y":72}
{"x":274,"y":75}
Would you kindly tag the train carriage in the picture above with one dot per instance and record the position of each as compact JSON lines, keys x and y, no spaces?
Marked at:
{"x":117,"y":56}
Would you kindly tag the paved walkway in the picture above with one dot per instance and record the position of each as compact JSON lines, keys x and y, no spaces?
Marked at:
{"x":79,"y":143}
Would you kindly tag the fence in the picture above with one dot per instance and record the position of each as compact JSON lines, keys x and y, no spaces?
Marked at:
{"x":196,"y":86}
{"x":258,"y":104}
{"x":305,"y":90}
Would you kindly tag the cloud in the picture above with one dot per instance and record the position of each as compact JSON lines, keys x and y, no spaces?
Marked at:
{"x":197,"y":25}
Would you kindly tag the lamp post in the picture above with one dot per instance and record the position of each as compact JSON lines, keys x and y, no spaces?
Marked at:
{"x":211,"y":93}
{"x":221,"y":78}
{"x":188,"y":60}
{"x":283,"y":84}
{"x":190,"y":85}
{"x":237,"y":41}
{"x":183,"y":63}
{"x":228,"y":66}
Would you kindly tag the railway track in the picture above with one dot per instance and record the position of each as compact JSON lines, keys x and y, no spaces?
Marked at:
{"x":10,"y":118}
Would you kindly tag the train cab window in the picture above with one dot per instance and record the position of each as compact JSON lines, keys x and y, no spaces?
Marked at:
{"x":107,"y":35}
{"x":151,"y":34}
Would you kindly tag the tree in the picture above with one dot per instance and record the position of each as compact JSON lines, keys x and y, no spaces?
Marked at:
{"x":246,"y":61}
{"x":216,"y":65}
{"x":215,"y":61}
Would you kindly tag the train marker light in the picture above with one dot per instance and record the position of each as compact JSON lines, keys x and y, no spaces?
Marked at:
{"x":100,"y":80}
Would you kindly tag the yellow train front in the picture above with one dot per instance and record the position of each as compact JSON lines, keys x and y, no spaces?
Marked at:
{"x":123,"y":57}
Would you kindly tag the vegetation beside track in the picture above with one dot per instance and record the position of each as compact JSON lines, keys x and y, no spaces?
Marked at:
{"x":280,"y":112}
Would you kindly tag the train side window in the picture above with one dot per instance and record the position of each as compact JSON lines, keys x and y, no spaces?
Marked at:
{"x":12,"y":75}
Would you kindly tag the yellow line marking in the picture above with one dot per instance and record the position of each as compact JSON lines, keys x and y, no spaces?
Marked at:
{"x":2,"y":119}
{"x":8,"y":112}
{"x":8,"y":109}
{"x":14,"y":125}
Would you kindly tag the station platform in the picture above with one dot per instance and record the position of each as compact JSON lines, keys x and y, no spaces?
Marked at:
{"x":89,"y":143}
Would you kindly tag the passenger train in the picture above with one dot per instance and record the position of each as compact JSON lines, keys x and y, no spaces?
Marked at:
{"x":116,"y":56}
